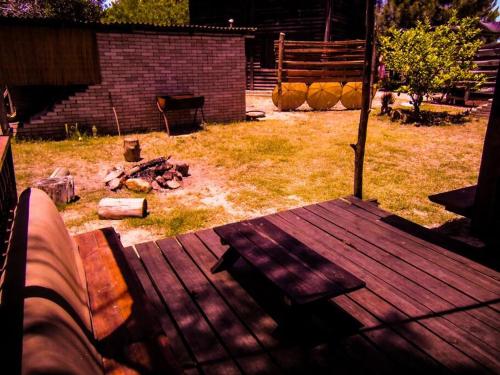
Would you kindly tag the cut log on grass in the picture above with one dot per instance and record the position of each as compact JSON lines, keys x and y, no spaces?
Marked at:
{"x":131,"y":149}
{"x":60,"y":189}
{"x":119,"y":208}
{"x":60,"y":172}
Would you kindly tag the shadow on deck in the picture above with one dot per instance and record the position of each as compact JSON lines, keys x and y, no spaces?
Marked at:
{"x":424,"y":308}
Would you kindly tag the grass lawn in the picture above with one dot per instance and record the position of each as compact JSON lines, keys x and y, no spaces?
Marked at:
{"x":242,"y":170}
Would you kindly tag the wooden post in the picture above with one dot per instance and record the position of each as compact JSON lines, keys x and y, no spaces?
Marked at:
{"x":328,"y":20}
{"x":281,"y":46}
{"x":359,"y":147}
{"x":486,"y":210}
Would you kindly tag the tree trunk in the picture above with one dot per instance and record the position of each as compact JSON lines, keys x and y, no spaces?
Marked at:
{"x":60,"y":189}
{"x":119,"y":208}
{"x":328,"y":21}
{"x":359,"y":147}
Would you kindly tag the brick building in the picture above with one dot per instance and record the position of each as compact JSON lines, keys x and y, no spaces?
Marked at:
{"x":100,"y":66}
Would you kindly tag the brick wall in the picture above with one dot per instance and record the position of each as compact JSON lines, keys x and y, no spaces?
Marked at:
{"x":136,"y":66}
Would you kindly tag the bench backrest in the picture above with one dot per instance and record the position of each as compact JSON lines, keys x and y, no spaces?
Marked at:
{"x":44,"y":298}
{"x":8,"y":194}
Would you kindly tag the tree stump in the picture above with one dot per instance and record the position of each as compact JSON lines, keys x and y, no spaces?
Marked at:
{"x":119,"y":208}
{"x":60,"y":189}
{"x":131,"y":149}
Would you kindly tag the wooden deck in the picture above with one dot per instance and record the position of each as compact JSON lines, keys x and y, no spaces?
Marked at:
{"x":424,"y":308}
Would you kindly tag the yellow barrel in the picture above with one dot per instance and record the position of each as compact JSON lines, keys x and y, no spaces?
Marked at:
{"x":323,"y":95}
{"x":351,"y":95}
{"x":293,"y":95}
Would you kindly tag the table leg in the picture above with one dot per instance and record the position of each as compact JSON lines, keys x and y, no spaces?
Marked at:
{"x":225,"y":261}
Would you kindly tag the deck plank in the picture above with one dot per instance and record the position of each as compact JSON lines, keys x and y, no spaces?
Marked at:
{"x":482,"y":319}
{"x":450,"y":264}
{"x":248,"y":310}
{"x":342,"y":357}
{"x":479,"y":350}
{"x":368,"y":257}
{"x":179,"y":347}
{"x":424,"y":308}
{"x":238,"y":340}
{"x":407,"y":251}
{"x":388,"y":255}
{"x":380,"y":214}
{"x":361,"y":304}
{"x":197,"y":332}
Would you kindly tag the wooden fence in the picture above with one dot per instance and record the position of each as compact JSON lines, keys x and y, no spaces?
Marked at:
{"x":308,"y":61}
{"x":43,"y":55}
{"x":8,"y":195}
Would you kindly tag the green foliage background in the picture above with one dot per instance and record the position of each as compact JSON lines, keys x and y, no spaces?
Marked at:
{"x":432,"y":59}
{"x":406,"y":13}
{"x":158,"y":12}
{"x":78,"y":10}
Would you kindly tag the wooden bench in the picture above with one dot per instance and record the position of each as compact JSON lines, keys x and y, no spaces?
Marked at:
{"x":299,"y":272}
{"x":74,"y":305}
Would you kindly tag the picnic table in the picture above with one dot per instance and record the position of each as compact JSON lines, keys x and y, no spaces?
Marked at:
{"x":302,"y":275}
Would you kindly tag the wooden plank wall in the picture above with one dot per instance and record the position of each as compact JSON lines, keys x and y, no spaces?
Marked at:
{"x":42,"y":55}
{"x":308,"y":61}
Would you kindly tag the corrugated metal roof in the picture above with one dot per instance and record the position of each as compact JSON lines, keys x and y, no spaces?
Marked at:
{"x":126,"y":26}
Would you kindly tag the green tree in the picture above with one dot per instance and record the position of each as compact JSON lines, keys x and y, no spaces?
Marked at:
{"x":432,"y":59}
{"x":77,"y":10}
{"x":406,"y":13}
{"x":160,"y":12}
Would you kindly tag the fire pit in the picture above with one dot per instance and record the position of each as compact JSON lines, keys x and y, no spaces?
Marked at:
{"x":159,"y":174}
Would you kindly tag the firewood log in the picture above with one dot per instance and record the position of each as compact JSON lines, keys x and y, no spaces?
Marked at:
{"x":119,"y":208}
{"x":140,"y":167}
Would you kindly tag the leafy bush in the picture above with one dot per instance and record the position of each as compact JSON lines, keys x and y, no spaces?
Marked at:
{"x":158,"y":12}
{"x":430,"y":60}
